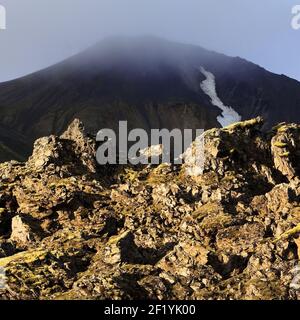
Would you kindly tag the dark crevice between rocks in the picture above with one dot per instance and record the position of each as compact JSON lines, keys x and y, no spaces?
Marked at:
{"x":130,"y":253}
{"x":236,"y":263}
{"x":111,"y":228}
{"x":129,"y":284}
{"x":5,"y":224}
{"x":77,"y":263}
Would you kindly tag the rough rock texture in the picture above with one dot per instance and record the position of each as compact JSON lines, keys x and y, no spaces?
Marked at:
{"x":72,"y":230}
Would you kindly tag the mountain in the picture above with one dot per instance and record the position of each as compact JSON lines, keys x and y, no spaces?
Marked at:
{"x":151,"y":82}
{"x":72,"y":230}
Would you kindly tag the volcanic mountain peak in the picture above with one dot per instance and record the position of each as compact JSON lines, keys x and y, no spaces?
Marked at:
{"x":151,"y":83}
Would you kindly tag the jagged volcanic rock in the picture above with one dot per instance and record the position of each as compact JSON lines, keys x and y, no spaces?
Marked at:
{"x":72,"y":230}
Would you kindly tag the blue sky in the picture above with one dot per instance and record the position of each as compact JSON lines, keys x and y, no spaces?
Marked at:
{"x":42,"y":32}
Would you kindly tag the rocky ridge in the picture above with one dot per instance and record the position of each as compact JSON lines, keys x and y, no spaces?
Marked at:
{"x":70,"y":229}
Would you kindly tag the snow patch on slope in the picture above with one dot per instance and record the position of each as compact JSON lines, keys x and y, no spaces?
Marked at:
{"x":229,"y":115}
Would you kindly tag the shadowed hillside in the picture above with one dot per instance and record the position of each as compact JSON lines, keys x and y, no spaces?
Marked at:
{"x":150,"y":82}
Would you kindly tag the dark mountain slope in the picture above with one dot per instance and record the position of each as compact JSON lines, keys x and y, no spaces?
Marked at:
{"x":150,"y":82}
